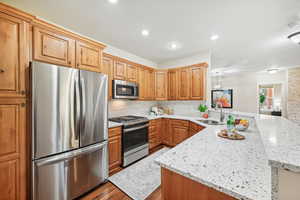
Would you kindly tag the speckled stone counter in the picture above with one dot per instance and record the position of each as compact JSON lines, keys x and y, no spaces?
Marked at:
{"x":243,"y":169}
{"x":113,"y":124}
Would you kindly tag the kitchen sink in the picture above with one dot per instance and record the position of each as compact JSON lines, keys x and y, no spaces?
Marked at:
{"x":211,"y":122}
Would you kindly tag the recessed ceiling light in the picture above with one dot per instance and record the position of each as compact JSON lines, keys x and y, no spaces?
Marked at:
{"x":214,"y":37}
{"x":113,"y":1}
{"x":145,"y":32}
{"x":174,"y":45}
{"x":295,"y":37}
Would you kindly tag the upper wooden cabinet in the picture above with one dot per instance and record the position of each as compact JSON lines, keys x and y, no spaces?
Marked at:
{"x":107,"y":68}
{"x":142,"y":83}
{"x":197,"y":84}
{"x":184,"y":83}
{"x":14,"y":51}
{"x":120,"y":70}
{"x":48,"y":46}
{"x":132,"y":73}
{"x":88,"y":56}
{"x":161,"y":85}
{"x":172,"y":85}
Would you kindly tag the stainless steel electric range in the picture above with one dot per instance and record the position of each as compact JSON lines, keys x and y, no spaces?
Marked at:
{"x":134,"y":138}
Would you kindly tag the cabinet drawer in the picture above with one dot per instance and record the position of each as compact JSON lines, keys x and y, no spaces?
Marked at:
{"x":114,"y":132}
{"x":176,"y":122}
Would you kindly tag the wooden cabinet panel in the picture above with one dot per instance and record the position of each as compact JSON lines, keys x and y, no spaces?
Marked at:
{"x":114,"y":148}
{"x":183,"y":84}
{"x":13,"y":149}
{"x":155,"y":133}
{"x":88,"y":57}
{"x":14,"y":51}
{"x":120,"y":70}
{"x":177,"y":187}
{"x":161,"y":87}
{"x":9,"y":137}
{"x":166,"y":134}
{"x":132,"y":73}
{"x":53,"y":48}
{"x":9,"y":180}
{"x":152,"y":85}
{"x":107,"y":68}
{"x":179,"y":134}
{"x":142,"y":83}
{"x":172,"y":85}
{"x":197,"y":86}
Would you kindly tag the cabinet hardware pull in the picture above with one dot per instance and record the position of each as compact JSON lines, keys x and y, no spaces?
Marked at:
{"x":2,"y":70}
{"x":23,"y":104}
{"x":23,"y":92}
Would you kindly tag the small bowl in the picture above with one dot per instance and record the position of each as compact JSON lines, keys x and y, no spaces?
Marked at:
{"x":241,"y":127}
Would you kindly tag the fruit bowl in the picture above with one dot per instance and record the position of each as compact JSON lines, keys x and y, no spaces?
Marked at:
{"x":242,"y":124}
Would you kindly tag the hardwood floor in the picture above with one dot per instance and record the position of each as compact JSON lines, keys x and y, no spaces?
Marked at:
{"x":108,"y":191}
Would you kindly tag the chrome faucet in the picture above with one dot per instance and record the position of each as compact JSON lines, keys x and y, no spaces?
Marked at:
{"x":222,"y":116}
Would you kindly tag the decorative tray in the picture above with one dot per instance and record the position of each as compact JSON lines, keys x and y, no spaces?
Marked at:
{"x":235,"y":136}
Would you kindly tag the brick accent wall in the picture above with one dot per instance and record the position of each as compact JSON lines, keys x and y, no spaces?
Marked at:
{"x":293,"y":102}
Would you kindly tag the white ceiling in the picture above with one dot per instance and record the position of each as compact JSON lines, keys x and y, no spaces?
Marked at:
{"x":252,"y":32}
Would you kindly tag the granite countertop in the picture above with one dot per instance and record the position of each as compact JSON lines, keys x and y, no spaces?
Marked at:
{"x":114,"y":124}
{"x":241,"y":169}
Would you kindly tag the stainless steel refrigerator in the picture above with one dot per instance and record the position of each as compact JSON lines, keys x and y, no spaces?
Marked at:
{"x":69,"y":131}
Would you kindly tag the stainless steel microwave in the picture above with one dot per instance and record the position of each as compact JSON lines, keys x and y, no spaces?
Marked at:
{"x":125,"y":90}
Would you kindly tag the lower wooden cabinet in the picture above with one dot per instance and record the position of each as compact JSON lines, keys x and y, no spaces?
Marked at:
{"x":177,"y":187}
{"x":194,"y":128}
{"x":180,"y":130}
{"x":154,"y":133}
{"x":166,"y":135}
{"x":13,"y":149}
{"x":114,"y":148}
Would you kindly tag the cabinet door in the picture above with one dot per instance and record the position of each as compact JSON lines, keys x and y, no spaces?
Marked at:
{"x":132,"y":73}
{"x":183,"y":84}
{"x":152,"y":85}
{"x":147,"y":87}
{"x":114,"y":149}
{"x":88,"y":56}
{"x":172,"y":85}
{"x":13,"y":149}
{"x":9,"y":176}
{"x":14,"y":55}
{"x":120,"y":70}
{"x":197,"y":83}
{"x":53,"y":48}
{"x":166,"y":134}
{"x":161,"y":88}
{"x":142,"y":83}
{"x":179,"y":134}
{"x":107,"y":68}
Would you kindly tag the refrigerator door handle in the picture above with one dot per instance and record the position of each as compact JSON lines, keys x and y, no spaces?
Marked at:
{"x":83,"y":93}
{"x":71,"y":155}
{"x":77,"y":108}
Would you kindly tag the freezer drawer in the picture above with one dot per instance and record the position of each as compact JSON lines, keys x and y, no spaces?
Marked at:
{"x":69,"y":175}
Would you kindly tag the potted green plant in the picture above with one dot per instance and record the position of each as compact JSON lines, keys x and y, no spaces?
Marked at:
{"x":203,"y":108}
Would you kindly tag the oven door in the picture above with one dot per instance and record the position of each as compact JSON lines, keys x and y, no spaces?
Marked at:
{"x":135,"y":137}
{"x":125,"y":90}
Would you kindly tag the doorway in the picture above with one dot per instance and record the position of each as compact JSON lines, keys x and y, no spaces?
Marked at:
{"x":270,"y":99}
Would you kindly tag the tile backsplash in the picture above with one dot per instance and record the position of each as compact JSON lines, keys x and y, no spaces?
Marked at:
{"x":118,"y":108}
{"x":183,"y":107}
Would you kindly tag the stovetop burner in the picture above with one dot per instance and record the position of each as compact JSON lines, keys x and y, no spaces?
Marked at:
{"x":128,"y":119}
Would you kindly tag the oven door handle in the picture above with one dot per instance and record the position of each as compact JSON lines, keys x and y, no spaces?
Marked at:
{"x":135,"y":128}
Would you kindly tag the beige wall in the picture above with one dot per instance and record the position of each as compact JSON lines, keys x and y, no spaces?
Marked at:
{"x":245,"y":88}
{"x":293,"y":106}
